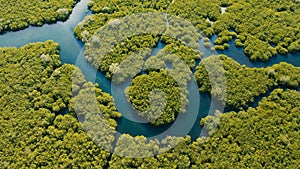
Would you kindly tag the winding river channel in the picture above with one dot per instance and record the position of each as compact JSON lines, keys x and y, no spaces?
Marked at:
{"x":72,"y":53}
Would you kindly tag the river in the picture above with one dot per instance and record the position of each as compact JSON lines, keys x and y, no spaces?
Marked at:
{"x":72,"y":53}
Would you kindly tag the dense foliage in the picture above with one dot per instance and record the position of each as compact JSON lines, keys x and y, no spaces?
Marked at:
{"x":256,"y":25}
{"x":128,"y":49}
{"x":118,"y":45}
{"x":121,"y":38}
{"x":131,"y":56}
{"x":35,"y":89}
{"x":104,"y":11}
{"x":16,"y":15}
{"x":262,"y":137}
{"x":197,"y":12}
{"x":243,"y":84}
{"x":119,"y":6}
{"x":260,"y":23}
{"x":156,"y":97}
{"x":265,"y":137}
{"x":162,"y":93}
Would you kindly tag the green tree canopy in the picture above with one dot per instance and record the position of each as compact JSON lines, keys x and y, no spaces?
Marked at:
{"x":21,"y":14}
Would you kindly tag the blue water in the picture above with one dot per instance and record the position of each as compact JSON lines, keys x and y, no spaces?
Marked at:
{"x":158,"y":48}
{"x":71,"y":52}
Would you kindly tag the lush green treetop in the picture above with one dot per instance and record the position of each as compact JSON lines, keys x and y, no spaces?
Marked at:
{"x":242,"y":84}
{"x":260,"y":23}
{"x":262,"y":137}
{"x":35,"y":90}
{"x":104,"y":11}
{"x":156,"y":97}
{"x":18,"y":14}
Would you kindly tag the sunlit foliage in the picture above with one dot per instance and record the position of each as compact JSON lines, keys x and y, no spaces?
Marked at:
{"x":19,"y":14}
{"x":156,"y":97}
{"x":262,"y":137}
{"x":35,"y":90}
{"x":260,"y":23}
{"x":243,"y":84}
{"x":108,"y":10}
